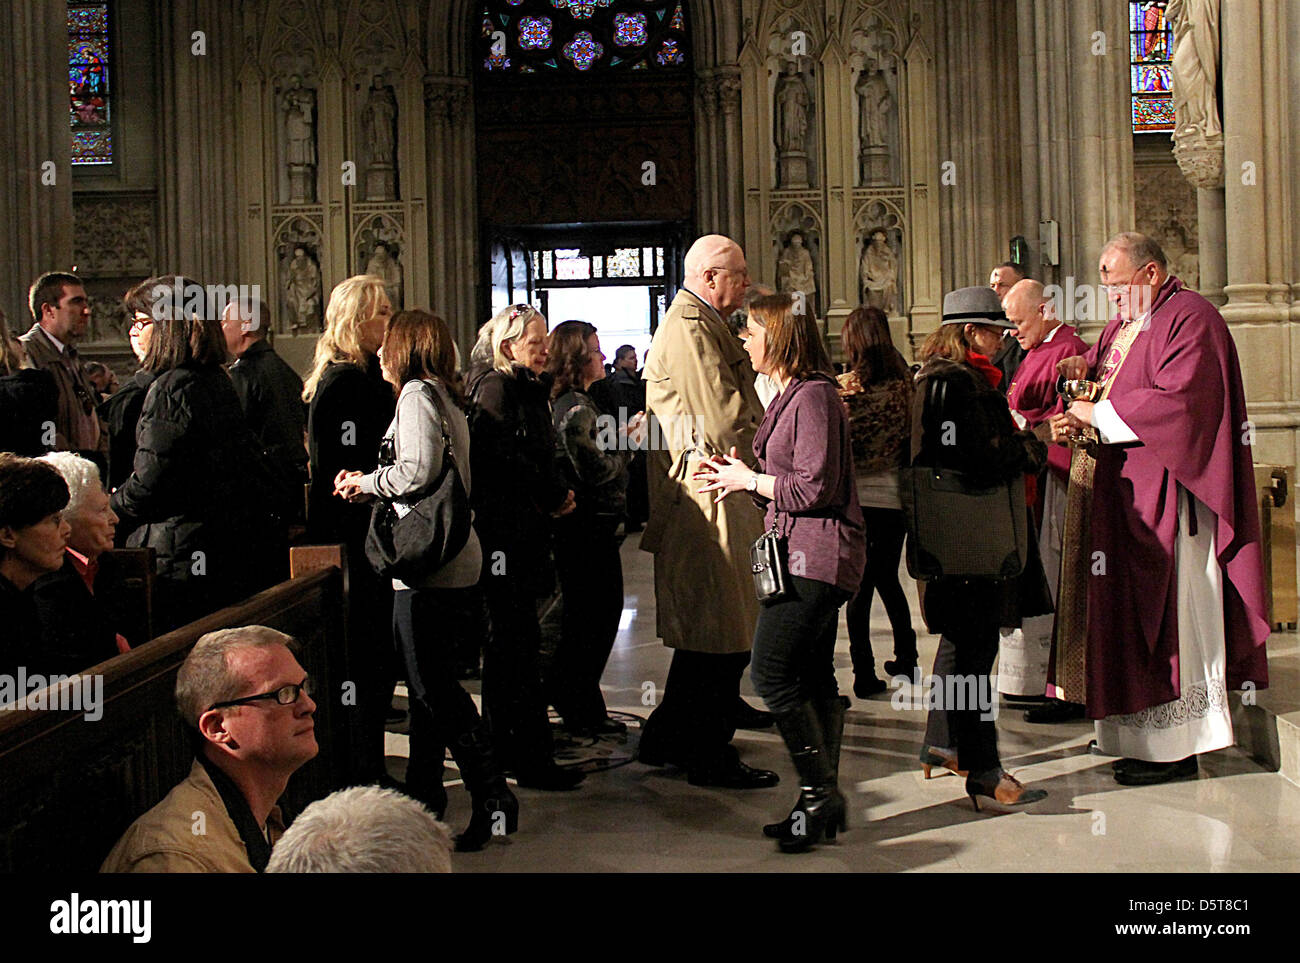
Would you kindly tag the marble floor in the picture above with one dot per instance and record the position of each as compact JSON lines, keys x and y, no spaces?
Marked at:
{"x":1236,"y":817}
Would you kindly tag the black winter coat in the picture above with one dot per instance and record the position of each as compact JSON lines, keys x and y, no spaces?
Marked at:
{"x":29,"y":398}
{"x":121,"y":414}
{"x":197,"y":486}
{"x":270,"y":393}
{"x":78,"y":627}
{"x":517,"y":483}
{"x":351,"y":410}
{"x":974,"y":434}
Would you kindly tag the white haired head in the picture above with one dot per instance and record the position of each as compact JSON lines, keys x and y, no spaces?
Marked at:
{"x":81,"y":474}
{"x":364,"y":829}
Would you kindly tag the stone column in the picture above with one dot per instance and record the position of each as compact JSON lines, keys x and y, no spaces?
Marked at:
{"x":711,"y":168}
{"x":732,"y":214}
{"x":198,"y":95}
{"x":453,"y":226}
{"x":36,"y":144}
{"x":1080,"y":154}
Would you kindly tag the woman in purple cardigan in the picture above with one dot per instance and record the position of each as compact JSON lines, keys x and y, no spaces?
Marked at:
{"x":806,"y":483}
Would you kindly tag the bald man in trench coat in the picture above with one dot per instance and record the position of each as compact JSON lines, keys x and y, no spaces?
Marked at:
{"x":700,"y":392}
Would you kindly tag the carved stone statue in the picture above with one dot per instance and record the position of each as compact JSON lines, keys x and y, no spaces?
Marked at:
{"x":302,"y":291}
{"x":794,"y":270}
{"x":1198,"y":133}
{"x":792,"y":127}
{"x":880,"y":274}
{"x":874,"y":103}
{"x":299,"y":106}
{"x":1195,"y":65}
{"x":377,"y":122}
{"x":378,"y":131}
{"x":383,"y":264}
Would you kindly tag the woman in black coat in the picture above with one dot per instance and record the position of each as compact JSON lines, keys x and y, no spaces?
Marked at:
{"x":967,"y":427}
{"x":595,"y":462}
{"x":121,"y":410}
{"x":517,"y":489}
{"x":196,"y":493}
{"x":351,"y":406}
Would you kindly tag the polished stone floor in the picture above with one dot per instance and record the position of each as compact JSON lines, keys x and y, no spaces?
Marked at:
{"x":1235,"y":817}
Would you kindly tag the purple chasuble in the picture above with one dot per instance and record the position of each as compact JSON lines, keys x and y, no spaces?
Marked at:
{"x":1180,"y":392}
{"x":1033,"y":389}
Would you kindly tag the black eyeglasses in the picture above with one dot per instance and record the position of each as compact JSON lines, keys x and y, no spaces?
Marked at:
{"x":286,"y":695}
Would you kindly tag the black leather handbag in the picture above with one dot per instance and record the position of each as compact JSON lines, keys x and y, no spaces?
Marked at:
{"x":412,"y":539}
{"x":767,"y":560}
{"x":957,"y":529}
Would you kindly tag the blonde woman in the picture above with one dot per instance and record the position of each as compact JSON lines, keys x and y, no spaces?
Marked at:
{"x":351,"y":407}
{"x":517,"y":489}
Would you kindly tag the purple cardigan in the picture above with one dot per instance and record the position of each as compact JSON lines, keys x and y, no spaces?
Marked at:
{"x":803,"y":441}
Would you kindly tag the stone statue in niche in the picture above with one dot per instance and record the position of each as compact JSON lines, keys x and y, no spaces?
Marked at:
{"x":792,"y":112}
{"x":1198,"y":133}
{"x":379,"y":132}
{"x":874,"y":105}
{"x":794,"y":269}
{"x":384,"y":264}
{"x":302,"y":291}
{"x":880,"y":274}
{"x":299,"y":106}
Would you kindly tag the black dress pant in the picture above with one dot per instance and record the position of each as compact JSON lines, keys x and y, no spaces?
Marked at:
{"x":794,"y":646}
{"x":886,"y":530}
{"x":695,"y":721}
{"x":428,"y":624}
{"x":375,"y":659}
{"x":591,"y":580}
{"x":969,"y":613}
{"x":512,"y":689}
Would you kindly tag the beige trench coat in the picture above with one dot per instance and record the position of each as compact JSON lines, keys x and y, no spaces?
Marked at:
{"x":700,"y":390}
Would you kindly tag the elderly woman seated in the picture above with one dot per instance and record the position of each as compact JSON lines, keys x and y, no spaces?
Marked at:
{"x":75,"y":606}
{"x":32,"y":538}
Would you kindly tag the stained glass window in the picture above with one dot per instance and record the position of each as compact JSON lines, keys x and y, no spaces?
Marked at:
{"x":1151,"y":75}
{"x":89,"y":101}
{"x":583,"y":50}
{"x":630,"y":29}
{"x":582,"y":37}
{"x":534,"y":33}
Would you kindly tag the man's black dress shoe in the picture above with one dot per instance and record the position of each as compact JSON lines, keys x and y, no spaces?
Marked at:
{"x":747,"y":717}
{"x":864,"y":687}
{"x":733,"y":775}
{"x":1138,"y":772}
{"x":1054,"y":711}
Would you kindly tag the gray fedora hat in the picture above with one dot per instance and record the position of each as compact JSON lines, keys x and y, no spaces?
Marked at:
{"x":978,"y":305}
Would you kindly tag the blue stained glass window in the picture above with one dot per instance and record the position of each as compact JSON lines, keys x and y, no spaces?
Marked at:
{"x":534,"y":33}
{"x":584,"y":37}
{"x":89,"y":100}
{"x":583,"y":50}
{"x":1151,"y":80}
{"x":630,"y":29}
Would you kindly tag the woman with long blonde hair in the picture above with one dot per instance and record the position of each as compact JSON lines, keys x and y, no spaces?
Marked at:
{"x":351,"y":407}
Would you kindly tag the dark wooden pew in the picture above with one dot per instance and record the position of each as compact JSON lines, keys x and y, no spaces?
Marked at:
{"x":69,"y":787}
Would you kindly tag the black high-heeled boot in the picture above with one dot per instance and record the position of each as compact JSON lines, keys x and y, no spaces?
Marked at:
{"x":830,"y":713}
{"x":495,"y":808}
{"x":821,"y":810}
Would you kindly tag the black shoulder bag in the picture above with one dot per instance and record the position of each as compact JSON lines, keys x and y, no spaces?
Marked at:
{"x":411,"y":539}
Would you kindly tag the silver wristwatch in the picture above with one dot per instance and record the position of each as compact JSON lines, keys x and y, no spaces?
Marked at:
{"x":752,"y":484}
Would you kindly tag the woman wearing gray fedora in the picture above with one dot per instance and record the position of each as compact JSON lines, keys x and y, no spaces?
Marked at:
{"x":971,"y":432}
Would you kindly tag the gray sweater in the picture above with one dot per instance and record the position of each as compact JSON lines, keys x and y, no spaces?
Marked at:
{"x":417,"y":434}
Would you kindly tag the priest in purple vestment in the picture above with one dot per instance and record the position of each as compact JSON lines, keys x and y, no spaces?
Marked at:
{"x":1025,"y":654}
{"x":1176,"y":601}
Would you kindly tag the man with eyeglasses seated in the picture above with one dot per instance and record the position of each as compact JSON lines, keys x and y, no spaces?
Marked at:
{"x":246,"y":694}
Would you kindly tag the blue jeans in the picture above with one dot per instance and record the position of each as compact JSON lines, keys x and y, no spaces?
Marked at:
{"x":794,"y":645}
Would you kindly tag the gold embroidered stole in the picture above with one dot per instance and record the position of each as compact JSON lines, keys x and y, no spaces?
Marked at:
{"x":1068,"y":679}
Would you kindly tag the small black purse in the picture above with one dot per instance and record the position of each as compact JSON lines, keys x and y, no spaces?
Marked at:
{"x":767,"y":561}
